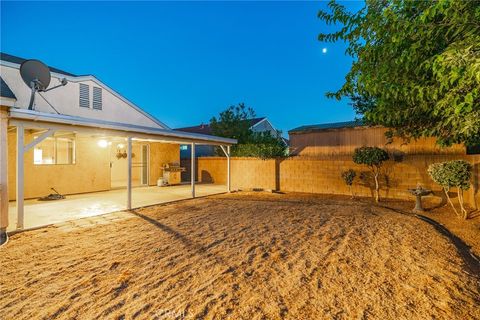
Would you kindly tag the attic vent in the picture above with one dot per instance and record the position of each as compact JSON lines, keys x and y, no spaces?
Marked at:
{"x":84,"y":96}
{"x":97,"y":98}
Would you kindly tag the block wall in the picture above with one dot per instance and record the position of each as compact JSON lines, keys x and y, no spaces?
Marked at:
{"x":322,"y":175}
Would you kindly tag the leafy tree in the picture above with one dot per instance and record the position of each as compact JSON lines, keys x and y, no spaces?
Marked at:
{"x":235,"y":123}
{"x":348,"y":176}
{"x":261,"y":145}
{"x":416,"y":66}
{"x":453,"y":174}
{"x":373,"y":157}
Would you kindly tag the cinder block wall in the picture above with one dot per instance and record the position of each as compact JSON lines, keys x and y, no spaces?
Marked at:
{"x":322,"y":175}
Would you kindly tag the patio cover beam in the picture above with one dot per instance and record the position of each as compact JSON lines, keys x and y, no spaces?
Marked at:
{"x":129,"y":175}
{"x":227,"y":154}
{"x":105,"y":132}
{"x":20,"y":177}
{"x":120,"y":129}
{"x":39,"y":139}
{"x":192,"y":169}
{"x":3,"y":173}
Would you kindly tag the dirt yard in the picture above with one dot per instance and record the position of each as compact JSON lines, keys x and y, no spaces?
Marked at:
{"x":240,"y":256}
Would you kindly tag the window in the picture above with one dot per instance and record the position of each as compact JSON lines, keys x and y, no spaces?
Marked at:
{"x":84,"y":96}
{"x":97,"y":98}
{"x":56,"y":150}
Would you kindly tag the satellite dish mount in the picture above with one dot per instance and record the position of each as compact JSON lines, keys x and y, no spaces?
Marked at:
{"x":36,"y":76}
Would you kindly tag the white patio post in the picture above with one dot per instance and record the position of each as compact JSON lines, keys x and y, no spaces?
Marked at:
{"x":192,"y":168}
{"x":228,"y":168}
{"x":20,"y":177}
{"x":3,"y":173}
{"x":129,"y":176}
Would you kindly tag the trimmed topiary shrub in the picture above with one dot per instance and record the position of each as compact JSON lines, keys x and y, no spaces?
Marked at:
{"x":453,"y":174}
{"x":349,"y":176}
{"x":373,"y":157}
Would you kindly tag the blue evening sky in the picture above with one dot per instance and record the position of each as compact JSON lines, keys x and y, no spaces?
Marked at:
{"x":185,"y":62}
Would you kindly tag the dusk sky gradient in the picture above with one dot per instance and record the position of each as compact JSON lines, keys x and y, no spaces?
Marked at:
{"x":185,"y":62}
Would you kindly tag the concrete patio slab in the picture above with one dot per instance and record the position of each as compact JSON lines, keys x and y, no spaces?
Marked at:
{"x":42,"y":213}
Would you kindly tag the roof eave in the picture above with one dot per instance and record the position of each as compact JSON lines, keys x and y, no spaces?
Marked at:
{"x":73,"y":121}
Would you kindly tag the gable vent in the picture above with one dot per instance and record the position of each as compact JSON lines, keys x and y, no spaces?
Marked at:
{"x":97,"y":98}
{"x":84,"y":96}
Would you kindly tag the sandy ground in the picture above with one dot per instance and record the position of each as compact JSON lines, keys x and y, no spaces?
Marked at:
{"x":240,"y":256}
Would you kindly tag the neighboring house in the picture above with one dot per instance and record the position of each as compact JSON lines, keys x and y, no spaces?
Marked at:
{"x":341,"y":138}
{"x":256,"y":125}
{"x":77,"y":139}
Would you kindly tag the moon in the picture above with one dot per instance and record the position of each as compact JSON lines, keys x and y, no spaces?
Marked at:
{"x":324,"y":50}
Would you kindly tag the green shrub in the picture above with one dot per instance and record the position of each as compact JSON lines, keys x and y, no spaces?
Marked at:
{"x":349,"y":176}
{"x":452,"y":174}
{"x":373,"y":157}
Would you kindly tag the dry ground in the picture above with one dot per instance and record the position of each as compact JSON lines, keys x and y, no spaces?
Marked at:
{"x":240,"y":256}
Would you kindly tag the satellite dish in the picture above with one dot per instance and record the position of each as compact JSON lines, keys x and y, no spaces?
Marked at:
{"x":36,"y":76}
{"x":35,"y":73}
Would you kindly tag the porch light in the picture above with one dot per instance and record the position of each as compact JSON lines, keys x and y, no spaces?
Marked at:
{"x":102,"y":143}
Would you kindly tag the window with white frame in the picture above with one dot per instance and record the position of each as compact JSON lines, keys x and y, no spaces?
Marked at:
{"x":84,"y":96}
{"x":55,"y":150}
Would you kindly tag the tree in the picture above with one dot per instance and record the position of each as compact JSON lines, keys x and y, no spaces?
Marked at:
{"x":234,"y":123}
{"x":453,"y":174}
{"x":416,"y":66}
{"x":348,"y":176}
{"x":373,"y":157}
{"x":262,"y":145}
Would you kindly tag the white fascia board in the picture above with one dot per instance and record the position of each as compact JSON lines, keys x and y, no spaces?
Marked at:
{"x":100,"y":83}
{"x":256,"y":124}
{"x":72,"y":121}
{"x":7,"y":102}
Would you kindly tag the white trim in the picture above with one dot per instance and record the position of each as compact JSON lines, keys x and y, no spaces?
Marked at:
{"x":271,"y":125}
{"x":256,"y":124}
{"x":73,"y":123}
{"x":42,"y":137}
{"x":20,"y":178}
{"x":98,"y":82}
{"x":7,"y":102}
{"x":192,"y":170}
{"x":129,"y":173}
{"x":227,"y":154}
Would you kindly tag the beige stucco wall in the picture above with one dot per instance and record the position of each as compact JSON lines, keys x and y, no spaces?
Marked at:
{"x":160,"y":154}
{"x":91,"y":171}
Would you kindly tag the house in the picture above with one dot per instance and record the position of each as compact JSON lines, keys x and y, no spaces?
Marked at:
{"x":261,"y":124}
{"x":342,"y":138}
{"x":79,"y":139}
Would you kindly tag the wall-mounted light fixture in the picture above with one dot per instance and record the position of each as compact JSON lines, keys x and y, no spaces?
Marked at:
{"x":102,"y":143}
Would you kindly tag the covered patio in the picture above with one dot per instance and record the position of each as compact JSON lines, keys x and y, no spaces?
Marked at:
{"x":89,"y":192}
{"x":42,"y":213}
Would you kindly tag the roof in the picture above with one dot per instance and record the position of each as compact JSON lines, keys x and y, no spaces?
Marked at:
{"x":5,"y":91}
{"x":18,"y":60}
{"x":328,"y":126}
{"x":8,"y":58}
{"x":206,"y":129}
{"x":43,"y":119}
